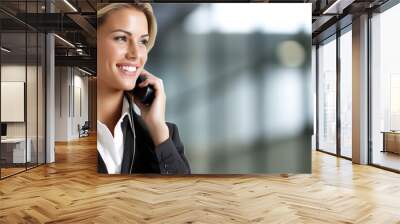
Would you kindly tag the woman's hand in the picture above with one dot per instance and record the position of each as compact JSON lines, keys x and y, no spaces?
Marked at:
{"x":154,"y":114}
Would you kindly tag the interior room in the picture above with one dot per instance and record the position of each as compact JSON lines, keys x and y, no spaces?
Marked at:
{"x":48,"y":150}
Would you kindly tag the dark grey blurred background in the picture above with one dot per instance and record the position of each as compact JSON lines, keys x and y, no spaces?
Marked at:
{"x":238,"y":84}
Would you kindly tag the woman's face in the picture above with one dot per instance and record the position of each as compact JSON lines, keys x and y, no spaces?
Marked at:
{"x":121,"y":49}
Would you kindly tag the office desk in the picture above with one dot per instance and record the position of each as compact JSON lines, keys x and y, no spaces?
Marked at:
{"x":391,"y":141}
{"x":13,"y":150}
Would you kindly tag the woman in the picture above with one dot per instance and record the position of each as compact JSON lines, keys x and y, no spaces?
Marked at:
{"x":126,"y":142}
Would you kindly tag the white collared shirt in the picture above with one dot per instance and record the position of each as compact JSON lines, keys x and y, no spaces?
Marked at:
{"x":111,"y":149}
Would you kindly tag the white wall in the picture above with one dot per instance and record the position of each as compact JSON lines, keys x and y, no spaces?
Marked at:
{"x":14,"y":72}
{"x":79,"y":117}
{"x":71,"y":93}
{"x":61,"y":103}
{"x":17,"y":73}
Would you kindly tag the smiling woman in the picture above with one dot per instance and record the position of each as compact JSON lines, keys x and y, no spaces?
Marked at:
{"x":127,"y":142}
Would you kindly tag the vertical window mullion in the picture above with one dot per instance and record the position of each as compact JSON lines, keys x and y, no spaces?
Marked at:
{"x":26,"y":86}
{"x":369,"y":93}
{"x":317,"y":111}
{"x":37,"y":90}
{"x":338,"y":80}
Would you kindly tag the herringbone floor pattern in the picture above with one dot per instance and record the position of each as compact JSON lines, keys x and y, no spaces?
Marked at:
{"x":71,"y":191}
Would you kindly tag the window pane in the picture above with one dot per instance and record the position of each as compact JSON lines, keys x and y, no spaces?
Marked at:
{"x":345,"y":93}
{"x":385,"y":89}
{"x":314,"y":75}
{"x":327,"y":96}
{"x":31,"y":98}
{"x":14,"y":151}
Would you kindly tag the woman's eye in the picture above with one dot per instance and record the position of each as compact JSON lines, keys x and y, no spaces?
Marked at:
{"x":120,"y":38}
{"x":144,"y":42}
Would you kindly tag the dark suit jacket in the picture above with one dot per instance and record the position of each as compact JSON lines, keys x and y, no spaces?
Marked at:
{"x":141,"y":156}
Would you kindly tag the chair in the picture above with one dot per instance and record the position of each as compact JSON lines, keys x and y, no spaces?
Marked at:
{"x":84,"y":130}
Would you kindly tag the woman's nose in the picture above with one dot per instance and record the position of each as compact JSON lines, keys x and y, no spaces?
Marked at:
{"x":133,"y":51}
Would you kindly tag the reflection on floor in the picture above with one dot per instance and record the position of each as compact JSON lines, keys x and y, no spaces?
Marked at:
{"x":10,"y":169}
{"x":387,"y":159}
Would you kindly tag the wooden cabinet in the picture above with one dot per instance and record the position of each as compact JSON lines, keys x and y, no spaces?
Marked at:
{"x":391,"y":142}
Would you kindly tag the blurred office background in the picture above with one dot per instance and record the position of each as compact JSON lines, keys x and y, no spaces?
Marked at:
{"x":238,"y":84}
{"x":47,"y":93}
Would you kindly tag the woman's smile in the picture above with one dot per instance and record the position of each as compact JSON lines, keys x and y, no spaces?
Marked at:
{"x":127,"y":69}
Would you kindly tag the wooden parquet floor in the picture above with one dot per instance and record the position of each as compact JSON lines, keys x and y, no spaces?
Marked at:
{"x":71,"y":191}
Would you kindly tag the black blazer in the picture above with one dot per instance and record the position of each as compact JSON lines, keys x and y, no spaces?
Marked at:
{"x":141,"y":156}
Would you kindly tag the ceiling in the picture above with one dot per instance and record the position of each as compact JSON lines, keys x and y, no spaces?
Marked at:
{"x":77,"y":25}
{"x":331,"y":15}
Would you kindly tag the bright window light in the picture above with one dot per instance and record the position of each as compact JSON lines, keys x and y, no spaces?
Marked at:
{"x":280,"y":18}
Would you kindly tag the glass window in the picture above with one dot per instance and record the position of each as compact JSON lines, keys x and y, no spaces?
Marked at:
{"x":346,"y":94}
{"x":386,"y":89}
{"x":313,"y":84}
{"x":327,"y":96}
{"x":22,"y":91}
{"x":13,"y":86}
{"x":31,"y":97}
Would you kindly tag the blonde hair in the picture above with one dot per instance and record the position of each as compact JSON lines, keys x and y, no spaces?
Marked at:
{"x":106,"y":10}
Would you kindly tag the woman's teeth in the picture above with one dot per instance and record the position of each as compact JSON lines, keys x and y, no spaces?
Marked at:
{"x":128,"y":68}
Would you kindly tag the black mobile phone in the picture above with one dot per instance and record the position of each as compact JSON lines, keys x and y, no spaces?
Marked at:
{"x":146,"y":94}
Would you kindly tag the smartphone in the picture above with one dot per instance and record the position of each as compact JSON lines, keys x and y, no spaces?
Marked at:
{"x":145,"y":94}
